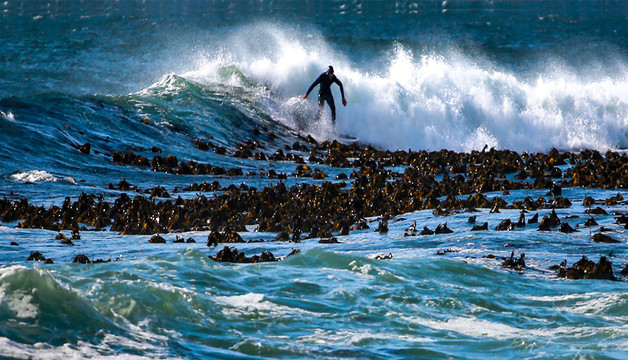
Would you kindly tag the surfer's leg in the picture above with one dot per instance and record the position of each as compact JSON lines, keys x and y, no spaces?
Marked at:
{"x":332,"y":106}
{"x":321,"y":104}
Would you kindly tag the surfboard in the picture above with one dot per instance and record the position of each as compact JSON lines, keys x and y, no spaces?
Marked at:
{"x":347,"y":139}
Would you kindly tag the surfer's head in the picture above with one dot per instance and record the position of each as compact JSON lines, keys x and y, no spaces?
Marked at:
{"x":330,"y":70}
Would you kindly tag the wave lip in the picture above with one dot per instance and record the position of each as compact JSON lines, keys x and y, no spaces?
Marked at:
{"x":8,"y":115}
{"x":33,"y":176}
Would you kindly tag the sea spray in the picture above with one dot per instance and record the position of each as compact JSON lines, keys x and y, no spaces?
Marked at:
{"x":430,"y":101}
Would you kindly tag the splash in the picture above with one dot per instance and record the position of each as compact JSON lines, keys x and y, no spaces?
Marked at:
{"x":423,"y":101}
{"x":35,"y":176}
{"x":8,"y":115}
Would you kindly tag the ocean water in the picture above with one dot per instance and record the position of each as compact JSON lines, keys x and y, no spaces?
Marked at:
{"x":526,"y":76}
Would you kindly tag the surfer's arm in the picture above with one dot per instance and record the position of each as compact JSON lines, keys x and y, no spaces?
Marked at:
{"x":342,"y":90}
{"x":316,"y":82}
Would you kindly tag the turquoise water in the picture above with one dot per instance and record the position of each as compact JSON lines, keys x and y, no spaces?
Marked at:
{"x":328,"y":301}
{"x":324,"y":304}
{"x":525,"y":76}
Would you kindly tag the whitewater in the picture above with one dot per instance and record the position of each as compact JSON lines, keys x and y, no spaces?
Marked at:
{"x":431,"y":101}
{"x":203,"y":81}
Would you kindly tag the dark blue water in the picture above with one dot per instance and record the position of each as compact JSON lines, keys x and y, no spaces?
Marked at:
{"x":131,"y":75}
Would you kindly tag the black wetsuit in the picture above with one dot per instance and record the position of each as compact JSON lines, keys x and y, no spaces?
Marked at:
{"x":324,"y":93}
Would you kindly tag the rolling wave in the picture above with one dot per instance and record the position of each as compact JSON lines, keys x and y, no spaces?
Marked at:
{"x":254,"y":78}
{"x":431,"y":100}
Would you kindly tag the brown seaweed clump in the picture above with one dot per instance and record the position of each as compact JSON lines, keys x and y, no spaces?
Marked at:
{"x":587,"y":269}
{"x":514,"y":263}
{"x":231,"y":254}
{"x":603,"y":238}
{"x":83,"y":259}
{"x":444,"y":181}
{"x":36,"y":256}
{"x":157,"y":239}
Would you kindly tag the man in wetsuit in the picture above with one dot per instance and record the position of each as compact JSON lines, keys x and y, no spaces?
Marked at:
{"x":324,"y":92}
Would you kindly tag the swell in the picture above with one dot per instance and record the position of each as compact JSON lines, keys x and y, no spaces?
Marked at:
{"x":164,"y":304}
{"x":46,"y":311}
{"x":66,"y":315}
{"x":48,"y":130}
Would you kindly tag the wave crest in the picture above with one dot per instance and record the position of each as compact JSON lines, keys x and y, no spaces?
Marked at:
{"x":429,"y":100}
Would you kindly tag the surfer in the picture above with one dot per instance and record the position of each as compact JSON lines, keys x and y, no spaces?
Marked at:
{"x":324,"y":92}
